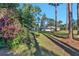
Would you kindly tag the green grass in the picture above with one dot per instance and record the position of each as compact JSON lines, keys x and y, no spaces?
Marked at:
{"x":64,"y":34}
{"x":50,"y":46}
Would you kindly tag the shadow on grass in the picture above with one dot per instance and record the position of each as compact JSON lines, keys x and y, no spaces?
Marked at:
{"x":69,"y":49}
{"x":45,"y":52}
{"x":61,"y":36}
{"x":41,"y":51}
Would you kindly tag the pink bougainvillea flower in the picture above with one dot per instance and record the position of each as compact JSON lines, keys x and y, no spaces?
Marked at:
{"x":8,"y":29}
{"x":0,"y":28}
{"x":11,"y":27}
{"x":5,"y":35}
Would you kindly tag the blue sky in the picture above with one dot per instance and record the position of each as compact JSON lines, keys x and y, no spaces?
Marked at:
{"x":49,"y":11}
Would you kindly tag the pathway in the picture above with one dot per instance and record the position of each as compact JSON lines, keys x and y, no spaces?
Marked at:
{"x":5,"y":52}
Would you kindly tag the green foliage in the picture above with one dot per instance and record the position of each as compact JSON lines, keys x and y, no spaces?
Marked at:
{"x":2,"y":43}
{"x":54,"y":4}
{"x":19,"y":38}
{"x":37,"y":10}
{"x":36,"y":34}
{"x":43,"y":19}
{"x":14,"y":42}
{"x":25,"y":18}
{"x":51,"y":22}
{"x":63,"y":27}
{"x":9,"y":5}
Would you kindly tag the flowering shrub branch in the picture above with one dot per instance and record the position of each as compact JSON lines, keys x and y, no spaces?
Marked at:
{"x":8,"y":28}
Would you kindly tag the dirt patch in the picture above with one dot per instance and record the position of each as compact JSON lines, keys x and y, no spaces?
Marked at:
{"x":71,"y":42}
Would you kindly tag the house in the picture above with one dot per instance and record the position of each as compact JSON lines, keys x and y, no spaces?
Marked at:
{"x":50,"y":29}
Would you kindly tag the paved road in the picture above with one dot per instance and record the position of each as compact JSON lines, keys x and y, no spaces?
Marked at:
{"x":5,"y":52}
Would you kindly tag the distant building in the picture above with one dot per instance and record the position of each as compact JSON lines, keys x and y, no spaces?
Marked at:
{"x":50,"y":29}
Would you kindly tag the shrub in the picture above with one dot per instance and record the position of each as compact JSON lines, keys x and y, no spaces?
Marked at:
{"x":36,"y":34}
{"x":14,"y":42}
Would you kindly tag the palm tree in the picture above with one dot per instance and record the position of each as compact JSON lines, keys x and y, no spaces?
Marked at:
{"x":70,"y":20}
{"x":78,"y":18}
{"x":55,"y":5}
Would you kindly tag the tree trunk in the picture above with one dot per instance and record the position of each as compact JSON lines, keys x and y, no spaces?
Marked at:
{"x":78,"y":18}
{"x":41,"y":27}
{"x":67,"y":23}
{"x":55,"y":17}
{"x":70,"y":20}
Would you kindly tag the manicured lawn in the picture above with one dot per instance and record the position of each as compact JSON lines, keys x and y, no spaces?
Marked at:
{"x":64,"y":34}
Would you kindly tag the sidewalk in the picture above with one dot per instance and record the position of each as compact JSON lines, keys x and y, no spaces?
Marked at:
{"x":5,"y":52}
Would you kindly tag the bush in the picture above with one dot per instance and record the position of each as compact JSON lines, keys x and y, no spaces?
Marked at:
{"x":36,"y":34}
{"x":14,"y":42}
{"x":1,"y":43}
